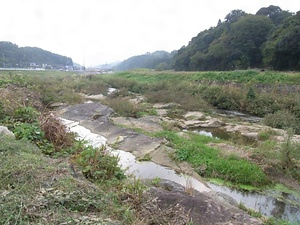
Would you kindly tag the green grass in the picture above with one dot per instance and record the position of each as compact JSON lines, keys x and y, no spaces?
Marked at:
{"x":243,"y":76}
{"x":208,"y":161}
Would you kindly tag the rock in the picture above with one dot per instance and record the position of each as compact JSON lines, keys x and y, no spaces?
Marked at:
{"x":57,"y":104}
{"x":138,"y":99}
{"x":213,"y":123}
{"x":253,"y":135}
{"x":162,"y":112}
{"x":5,"y":131}
{"x":95,"y":97}
{"x":201,"y":208}
{"x":148,"y":123}
{"x":192,"y":124}
{"x":194,"y":115}
{"x":137,"y":143}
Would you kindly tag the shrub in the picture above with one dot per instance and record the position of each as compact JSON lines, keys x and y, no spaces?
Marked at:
{"x":26,"y":115}
{"x":290,"y":156}
{"x":123,"y":107}
{"x":98,"y":165}
{"x":283,"y":119}
{"x":263,"y":104}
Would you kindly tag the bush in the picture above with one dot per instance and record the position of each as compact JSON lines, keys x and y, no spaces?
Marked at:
{"x":98,"y":165}
{"x":283,"y":119}
{"x":26,"y":115}
{"x":223,"y":97}
{"x":123,"y":107}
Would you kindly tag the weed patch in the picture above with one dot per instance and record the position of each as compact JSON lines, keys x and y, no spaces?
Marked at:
{"x":208,"y":162}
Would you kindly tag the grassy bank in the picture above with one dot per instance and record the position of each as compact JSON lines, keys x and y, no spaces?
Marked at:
{"x":40,"y":190}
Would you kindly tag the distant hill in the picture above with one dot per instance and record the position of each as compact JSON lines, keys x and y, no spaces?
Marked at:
{"x":13,"y":56}
{"x":159,"y":60}
{"x":107,"y":66}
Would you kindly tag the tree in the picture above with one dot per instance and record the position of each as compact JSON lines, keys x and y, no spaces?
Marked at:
{"x":234,"y":15}
{"x":248,"y":34}
{"x":282,"y":49}
{"x":275,"y":13}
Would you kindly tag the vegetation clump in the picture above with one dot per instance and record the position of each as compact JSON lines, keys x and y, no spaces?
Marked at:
{"x":208,"y":161}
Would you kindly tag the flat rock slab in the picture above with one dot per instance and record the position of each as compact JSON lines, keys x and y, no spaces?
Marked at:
{"x":194,"y":115}
{"x":202,"y":209}
{"x":96,"y":117}
{"x":149,"y":124}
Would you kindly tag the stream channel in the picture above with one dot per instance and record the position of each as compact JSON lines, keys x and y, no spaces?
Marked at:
{"x":271,"y":204}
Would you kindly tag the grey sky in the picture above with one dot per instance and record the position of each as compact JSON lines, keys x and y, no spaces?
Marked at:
{"x":100,"y":31}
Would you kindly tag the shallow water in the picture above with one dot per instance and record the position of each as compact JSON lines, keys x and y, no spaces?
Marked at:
{"x":127,"y":161}
{"x":151,"y":170}
{"x":224,"y":135}
{"x":267,"y":204}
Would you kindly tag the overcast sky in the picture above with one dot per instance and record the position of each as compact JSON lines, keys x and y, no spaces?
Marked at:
{"x":98,"y":31}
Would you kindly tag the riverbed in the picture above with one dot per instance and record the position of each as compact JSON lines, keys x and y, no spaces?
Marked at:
{"x":271,"y":204}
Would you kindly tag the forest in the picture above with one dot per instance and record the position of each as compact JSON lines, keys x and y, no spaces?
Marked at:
{"x":269,"y":39}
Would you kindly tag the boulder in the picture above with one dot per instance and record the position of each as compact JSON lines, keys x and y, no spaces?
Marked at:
{"x":5,"y":131}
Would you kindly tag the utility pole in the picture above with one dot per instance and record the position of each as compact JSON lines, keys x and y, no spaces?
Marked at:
{"x":3,"y":60}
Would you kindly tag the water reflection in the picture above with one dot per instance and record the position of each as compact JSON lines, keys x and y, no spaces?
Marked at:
{"x":267,"y":204}
{"x":150,"y":170}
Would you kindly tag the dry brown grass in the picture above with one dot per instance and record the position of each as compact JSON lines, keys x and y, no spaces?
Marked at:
{"x":55,"y":131}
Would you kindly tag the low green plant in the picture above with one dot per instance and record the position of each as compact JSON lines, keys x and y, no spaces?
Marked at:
{"x":275,"y":221}
{"x":28,"y":131}
{"x":33,"y":133}
{"x":156,"y":181}
{"x":147,"y":157}
{"x":266,"y":134}
{"x":97,"y":165}
{"x":135,"y":190}
{"x":250,"y":211}
{"x":26,"y":115}
{"x":209,"y":162}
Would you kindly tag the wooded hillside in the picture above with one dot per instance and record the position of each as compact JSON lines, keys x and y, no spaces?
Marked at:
{"x":13,"y":56}
{"x":268,"y":39}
